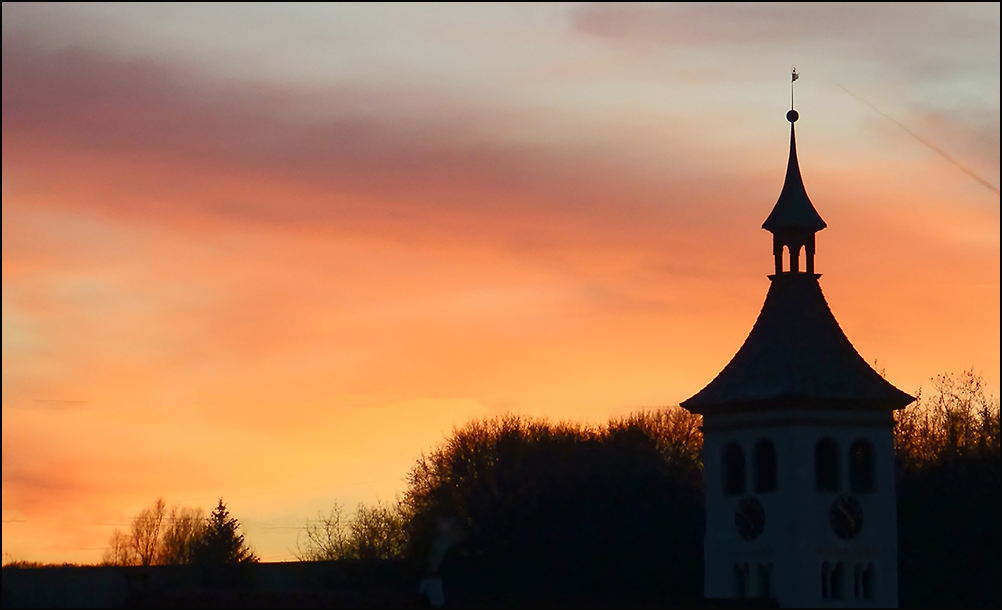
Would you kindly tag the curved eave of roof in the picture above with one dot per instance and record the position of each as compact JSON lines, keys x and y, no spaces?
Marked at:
{"x":797,"y":356}
{"x":793,"y":210}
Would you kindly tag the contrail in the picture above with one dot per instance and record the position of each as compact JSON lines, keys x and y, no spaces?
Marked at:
{"x":932,"y":146}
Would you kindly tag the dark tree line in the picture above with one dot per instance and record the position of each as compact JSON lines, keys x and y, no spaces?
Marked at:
{"x":947,"y":448}
{"x":371,"y":533}
{"x":180,"y":535}
{"x":517,"y":506}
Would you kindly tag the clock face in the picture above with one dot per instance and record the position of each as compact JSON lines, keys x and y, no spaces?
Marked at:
{"x":846,"y":517}
{"x":749,"y":517}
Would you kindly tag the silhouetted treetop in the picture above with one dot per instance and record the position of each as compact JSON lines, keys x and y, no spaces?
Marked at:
{"x":948,"y":470}
{"x":564,"y":506}
{"x":157,"y":536}
{"x":372,"y":532}
{"x":221,"y":543}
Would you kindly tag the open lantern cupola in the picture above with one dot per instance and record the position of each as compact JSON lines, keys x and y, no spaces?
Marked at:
{"x":793,"y":220}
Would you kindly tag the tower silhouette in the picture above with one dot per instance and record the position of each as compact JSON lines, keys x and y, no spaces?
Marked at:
{"x":798,"y":445}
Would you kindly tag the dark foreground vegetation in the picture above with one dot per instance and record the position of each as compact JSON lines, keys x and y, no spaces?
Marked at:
{"x":549,"y":508}
{"x":181,"y":535}
{"x":947,"y":447}
{"x":518,"y":509}
{"x":563,"y":509}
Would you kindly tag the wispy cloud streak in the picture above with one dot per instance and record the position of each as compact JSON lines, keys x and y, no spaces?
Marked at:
{"x":939,"y":151}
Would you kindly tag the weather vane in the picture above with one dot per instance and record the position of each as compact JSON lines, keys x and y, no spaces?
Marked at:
{"x":793,"y":78}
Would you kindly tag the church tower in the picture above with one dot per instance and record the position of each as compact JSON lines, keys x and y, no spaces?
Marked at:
{"x":798,"y":445}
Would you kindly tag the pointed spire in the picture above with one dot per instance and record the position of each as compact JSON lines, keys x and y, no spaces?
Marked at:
{"x":794,"y":210}
{"x":793,"y":220}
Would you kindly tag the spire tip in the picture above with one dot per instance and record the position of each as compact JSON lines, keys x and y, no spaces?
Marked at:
{"x":793,"y":78}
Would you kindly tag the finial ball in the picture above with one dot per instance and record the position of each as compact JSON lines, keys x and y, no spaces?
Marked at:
{"x":792,"y":116}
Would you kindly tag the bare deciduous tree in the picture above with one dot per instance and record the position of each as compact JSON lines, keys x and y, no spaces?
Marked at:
{"x":377,"y":532}
{"x":157,"y":536}
{"x":947,"y":451}
{"x":324,"y":538}
{"x":120,"y":551}
{"x":957,"y":420}
{"x":372,"y":532}
{"x":146,"y":532}
{"x":184,"y":527}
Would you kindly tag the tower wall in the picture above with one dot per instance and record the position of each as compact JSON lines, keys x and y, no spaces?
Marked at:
{"x":786,"y":561}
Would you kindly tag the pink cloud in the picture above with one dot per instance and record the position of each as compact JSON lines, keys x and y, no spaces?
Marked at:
{"x":734,"y":24}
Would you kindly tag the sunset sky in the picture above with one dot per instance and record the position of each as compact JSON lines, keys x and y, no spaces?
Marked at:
{"x":274,"y":252}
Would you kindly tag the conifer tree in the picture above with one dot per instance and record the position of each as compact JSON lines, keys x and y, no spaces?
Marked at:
{"x":221,"y":543}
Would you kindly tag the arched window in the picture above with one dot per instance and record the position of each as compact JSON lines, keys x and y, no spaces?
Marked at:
{"x":869,"y":581}
{"x":734,"y":470}
{"x":794,"y":258}
{"x":764,"y":466}
{"x":836,"y":581}
{"x":826,"y":575}
{"x":862,"y":466}
{"x":857,"y":582}
{"x":826,"y":474}
{"x":741,"y":580}
{"x":765,"y":581}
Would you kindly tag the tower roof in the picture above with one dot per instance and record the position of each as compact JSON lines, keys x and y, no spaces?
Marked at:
{"x":797,"y":356}
{"x":794,"y":210}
